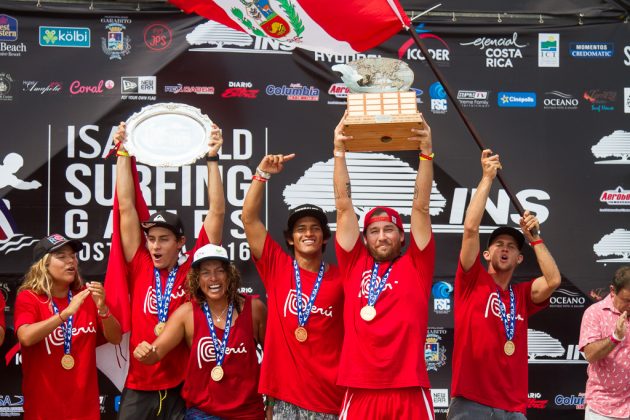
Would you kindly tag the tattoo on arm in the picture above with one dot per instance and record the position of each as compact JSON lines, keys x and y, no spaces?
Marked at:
{"x":348,"y":189}
{"x":415,"y":192}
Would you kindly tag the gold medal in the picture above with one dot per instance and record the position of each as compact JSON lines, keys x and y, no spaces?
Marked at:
{"x":301,"y":334}
{"x":216,"y":373}
{"x":67,"y":361}
{"x":368,"y":313}
{"x":509,"y":347}
{"x":159,"y":328}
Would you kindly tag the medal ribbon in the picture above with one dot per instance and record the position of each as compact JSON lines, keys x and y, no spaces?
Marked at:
{"x":508,"y":324}
{"x":66,"y":327}
{"x":304,"y":314}
{"x":163,"y":300}
{"x":375,"y":291}
{"x":219,"y":348}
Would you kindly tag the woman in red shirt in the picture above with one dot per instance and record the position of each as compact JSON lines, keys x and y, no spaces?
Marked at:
{"x":222,"y":329}
{"x":59,"y":327}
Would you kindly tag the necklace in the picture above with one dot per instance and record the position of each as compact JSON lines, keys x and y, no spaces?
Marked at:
{"x":218,"y":317}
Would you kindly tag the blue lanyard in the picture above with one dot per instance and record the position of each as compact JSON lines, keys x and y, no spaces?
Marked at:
{"x":66,"y":326}
{"x":219,"y":348}
{"x":304,"y":314}
{"x":508,"y":324}
{"x":163,"y":300}
{"x":375,"y":291}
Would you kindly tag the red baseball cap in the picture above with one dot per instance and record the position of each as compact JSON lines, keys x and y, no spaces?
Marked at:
{"x":391,"y":216}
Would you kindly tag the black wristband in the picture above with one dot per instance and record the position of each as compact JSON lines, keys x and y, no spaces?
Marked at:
{"x":212,"y":158}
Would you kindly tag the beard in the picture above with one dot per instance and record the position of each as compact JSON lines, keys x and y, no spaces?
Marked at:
{"x":384,"y":254}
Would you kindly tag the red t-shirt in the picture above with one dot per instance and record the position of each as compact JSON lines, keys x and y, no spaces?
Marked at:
{"x":236,"y":395}
{"x":303,"y":374}
{"x":3,"y":323}
{"x":482,"y":372}
{"x":387,"y":352}
{"x":49,"y":388}
{"x":170,"y":371}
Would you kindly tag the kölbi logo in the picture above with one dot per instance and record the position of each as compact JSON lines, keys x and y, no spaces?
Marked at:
{"x":215,"y":37}
{"x":615,"y":145}
{"x":615,"y":245}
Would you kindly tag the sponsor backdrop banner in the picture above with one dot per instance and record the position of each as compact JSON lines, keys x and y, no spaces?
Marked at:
{"x":554,"y":104}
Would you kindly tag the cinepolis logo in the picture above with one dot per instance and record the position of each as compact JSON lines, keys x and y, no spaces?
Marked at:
{"x":516,"y":99}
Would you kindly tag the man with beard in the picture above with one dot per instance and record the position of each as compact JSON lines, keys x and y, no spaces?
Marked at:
{"x":490,"y":352}
{"x":386,"y":292}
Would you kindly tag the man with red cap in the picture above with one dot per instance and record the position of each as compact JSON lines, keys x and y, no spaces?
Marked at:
{"x":491,"y":313}
{"x":386,"y":292}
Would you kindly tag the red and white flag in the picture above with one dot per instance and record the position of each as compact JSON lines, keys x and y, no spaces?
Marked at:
{"x":113,"y":360}
{"x":332,"y":26}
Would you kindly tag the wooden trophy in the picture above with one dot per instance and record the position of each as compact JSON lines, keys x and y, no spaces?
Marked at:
{"x":381,"y":108}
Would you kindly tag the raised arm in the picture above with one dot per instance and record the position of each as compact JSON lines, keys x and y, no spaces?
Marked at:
{"x":254,"y":228}
{"x":178,"y":327}
{"x":213,"y":223}
{"x":130,"y":233}
{"x":347,"y":222}
{"x":550,"y":280}
{"x":420,"y":216}
{"x":490,"y":164}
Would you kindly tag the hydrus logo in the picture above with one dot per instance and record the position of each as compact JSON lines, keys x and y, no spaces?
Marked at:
{"x":499,"y":52}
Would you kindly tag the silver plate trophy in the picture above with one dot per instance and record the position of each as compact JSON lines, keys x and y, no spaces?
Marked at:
{"x":381,"y":108}
{"x":168,"y":134}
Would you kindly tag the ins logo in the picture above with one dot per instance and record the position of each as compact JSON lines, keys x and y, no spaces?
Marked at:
{"x":290,"y":305}
{"x":150,"y":305}
{"x":206,"y":353}
{"x":442,"y":297}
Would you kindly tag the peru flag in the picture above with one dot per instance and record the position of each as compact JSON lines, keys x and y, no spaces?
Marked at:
{"x":332,"y":26}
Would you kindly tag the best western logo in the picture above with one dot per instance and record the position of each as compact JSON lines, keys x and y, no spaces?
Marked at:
{"x":57,"y":36}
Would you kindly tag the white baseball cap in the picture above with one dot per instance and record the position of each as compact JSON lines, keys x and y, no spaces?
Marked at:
{"x":210,"y":252}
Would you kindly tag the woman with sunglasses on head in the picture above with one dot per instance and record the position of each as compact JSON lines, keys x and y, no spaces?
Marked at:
{"x":59,"y":321}
{"x":222,"y":328}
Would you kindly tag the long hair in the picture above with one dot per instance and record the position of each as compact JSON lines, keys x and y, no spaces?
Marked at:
{"x":38,"y":280}
{"x":233,"y":284}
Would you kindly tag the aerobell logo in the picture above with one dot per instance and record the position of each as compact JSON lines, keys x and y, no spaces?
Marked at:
{"x":616,"y":200}
{"x":340,"y":92}
{"x":560,"y":100}
{"x":516,"y":99}
{"x":60,"y":36}
{"x":591,"y":49}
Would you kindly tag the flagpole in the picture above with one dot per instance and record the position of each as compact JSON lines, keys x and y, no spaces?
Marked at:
{"x":469,"y":126}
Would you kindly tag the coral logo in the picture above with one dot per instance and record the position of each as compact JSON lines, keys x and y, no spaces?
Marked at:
{"x":58,"y":36}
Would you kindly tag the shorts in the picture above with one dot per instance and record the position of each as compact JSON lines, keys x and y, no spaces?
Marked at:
{"x":165,"y":404}
{"x":463,"y":409}
{"x":396,"y":403}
